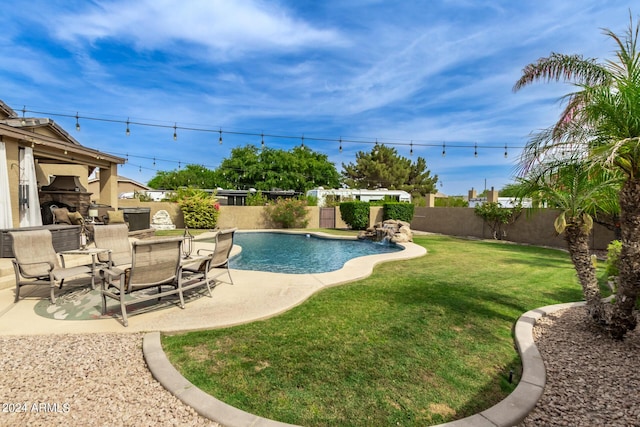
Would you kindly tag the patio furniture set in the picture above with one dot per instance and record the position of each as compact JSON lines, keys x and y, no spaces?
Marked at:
{"x":123,"y":267}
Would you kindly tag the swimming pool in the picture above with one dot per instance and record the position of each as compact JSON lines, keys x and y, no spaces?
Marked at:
{"x":300,"y":253}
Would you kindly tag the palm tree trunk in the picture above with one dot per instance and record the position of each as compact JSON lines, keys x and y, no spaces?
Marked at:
{"x":623,"y":318}
{"x":578,"y":244}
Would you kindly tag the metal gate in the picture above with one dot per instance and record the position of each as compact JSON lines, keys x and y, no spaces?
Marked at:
{"x":327,"y":217}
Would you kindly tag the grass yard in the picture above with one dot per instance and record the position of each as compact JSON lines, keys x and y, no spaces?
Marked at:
{"x":419,"y":342}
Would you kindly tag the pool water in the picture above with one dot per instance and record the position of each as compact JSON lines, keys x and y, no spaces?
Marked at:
{"x":300,"y":253}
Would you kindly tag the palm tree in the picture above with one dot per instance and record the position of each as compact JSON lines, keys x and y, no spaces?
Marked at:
{"x":580,"y":192}
{"x":603,"y":115}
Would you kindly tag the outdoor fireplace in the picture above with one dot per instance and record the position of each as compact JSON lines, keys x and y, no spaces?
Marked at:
{"x":67,"y":191}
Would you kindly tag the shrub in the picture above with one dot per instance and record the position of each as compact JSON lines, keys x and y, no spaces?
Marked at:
{"x":497,"y":217}
{"x":399,"y":211}
{"x":256,"y":199}
{"x":613,"y":254}
{"x":451,"y":202}
{"x":200,"y":209}
{"x":355,"y":214}
{"x":288,"y":213}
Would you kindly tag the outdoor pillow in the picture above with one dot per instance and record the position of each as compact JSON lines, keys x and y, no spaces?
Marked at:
{"x":115,"y":217}
{"x":76,"y":218}
{"x":61,"y":216}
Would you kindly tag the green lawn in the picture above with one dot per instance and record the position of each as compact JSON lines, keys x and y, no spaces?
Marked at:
{"x":419,"y":342}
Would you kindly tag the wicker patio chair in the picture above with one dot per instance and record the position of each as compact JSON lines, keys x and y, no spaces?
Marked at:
{"x":217,"y":259}
{"x":116,"y":238}
{"x":36,"y":261}
{"x":154,"y":263}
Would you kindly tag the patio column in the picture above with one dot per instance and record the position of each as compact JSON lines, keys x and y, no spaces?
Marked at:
{"x":6,"y":218}
{"x":109,"y":186}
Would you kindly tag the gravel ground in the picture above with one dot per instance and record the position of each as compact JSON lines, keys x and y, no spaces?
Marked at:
{"x":591,"y":379}
{"x":102,"y":379}
{"x":84,"y":380}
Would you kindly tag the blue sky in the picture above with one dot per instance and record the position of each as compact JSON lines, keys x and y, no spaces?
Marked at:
{"x":425,"y":73}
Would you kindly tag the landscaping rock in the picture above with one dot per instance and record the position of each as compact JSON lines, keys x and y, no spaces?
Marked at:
{"x":392,"y":230}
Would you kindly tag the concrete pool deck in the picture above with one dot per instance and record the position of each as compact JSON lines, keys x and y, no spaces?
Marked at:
{"x":254,"y":296}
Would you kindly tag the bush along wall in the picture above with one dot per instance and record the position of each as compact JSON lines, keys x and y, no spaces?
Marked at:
{"x":355,"y":214}
{"x":399,"y":211}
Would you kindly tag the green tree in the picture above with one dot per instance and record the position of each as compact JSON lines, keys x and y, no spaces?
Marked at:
{"x":384,"y":168}
{"x":580,"y":192}
{"x":602,"y":119}
{"x":299,"y":169}
{"x":190,"y":176}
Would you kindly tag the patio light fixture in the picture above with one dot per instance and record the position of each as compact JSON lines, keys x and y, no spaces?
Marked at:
{"x":187,"y":243}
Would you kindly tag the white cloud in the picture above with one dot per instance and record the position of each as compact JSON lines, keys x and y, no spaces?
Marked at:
{"x":223,"y":27}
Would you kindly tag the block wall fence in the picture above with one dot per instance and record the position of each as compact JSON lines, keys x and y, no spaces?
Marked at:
{"x":532,"y":227}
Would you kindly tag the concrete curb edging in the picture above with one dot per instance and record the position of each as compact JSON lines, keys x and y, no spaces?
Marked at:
{"x":514,"y":408}
{"x":508,"y":412}
{"x":203,"y":403}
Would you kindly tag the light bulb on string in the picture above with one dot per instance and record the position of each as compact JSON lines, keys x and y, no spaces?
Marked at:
{"x":262,"y":140}
{"x":175,"y":131}
{"x":505,"y":151}
{"x":77,"y":123}
{"x":128,"y":132}
{"x":411,"y":150}
{"x":340,"y":148}
{"x":154,"y":162}
{"x":475,"y":152}
{"x":444,"y":153}
{"x":24,"y":110}
{"x":302,"y":144}
{"x":220,"y":139}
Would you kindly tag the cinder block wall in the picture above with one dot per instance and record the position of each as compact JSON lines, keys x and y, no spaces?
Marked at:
{"x":533,"y":227}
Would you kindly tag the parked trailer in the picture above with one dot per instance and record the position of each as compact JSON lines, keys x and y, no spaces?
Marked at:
{"x":345,"y":194}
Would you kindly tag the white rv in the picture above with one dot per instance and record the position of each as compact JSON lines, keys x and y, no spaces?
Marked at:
{"x":346,"y":194}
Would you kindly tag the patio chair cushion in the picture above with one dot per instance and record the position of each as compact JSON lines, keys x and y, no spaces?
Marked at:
{"x":115,"y":217}
{"x":76,"y":218}
{"x":61,"y":216}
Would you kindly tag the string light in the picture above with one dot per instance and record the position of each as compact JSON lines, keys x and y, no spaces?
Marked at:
{"x":262,"y":135}
{"x":475,"y":152}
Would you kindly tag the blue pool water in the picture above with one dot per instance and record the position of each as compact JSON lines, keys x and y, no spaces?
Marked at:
{"x":300,"y":253}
